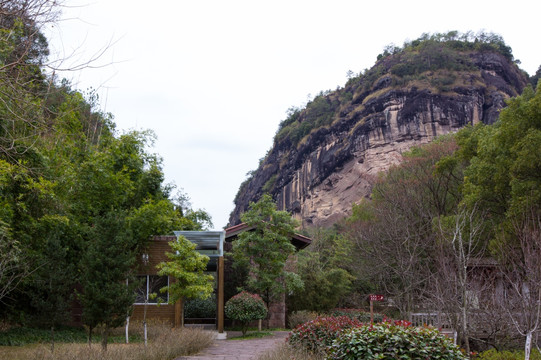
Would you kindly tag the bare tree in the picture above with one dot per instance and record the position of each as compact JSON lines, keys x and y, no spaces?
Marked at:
{"x":458,"y":280}
{"x":522,"y":270}
{"x":396,"y":241}
{"x":28,"y":85}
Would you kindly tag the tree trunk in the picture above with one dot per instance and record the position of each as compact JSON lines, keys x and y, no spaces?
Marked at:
{"x":89,"y":336}
{"x":127,"y":332}
{"x":104,"y":338}
{"x":52,"y":338}
{"x":145,"y":334}
{"x":528,"y":345}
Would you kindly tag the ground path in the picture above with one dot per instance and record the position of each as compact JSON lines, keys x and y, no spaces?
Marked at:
{"x":239,"y":349}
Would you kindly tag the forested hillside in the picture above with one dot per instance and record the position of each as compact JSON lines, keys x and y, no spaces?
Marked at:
{"x":78,"y":198}
{"x":327,"y":155}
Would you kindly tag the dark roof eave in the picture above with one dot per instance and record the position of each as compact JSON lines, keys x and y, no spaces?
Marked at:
{"x":300,"y":241}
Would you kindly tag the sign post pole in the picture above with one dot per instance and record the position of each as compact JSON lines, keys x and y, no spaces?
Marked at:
{"x":371,"y":311}
{"x":372,"y":299}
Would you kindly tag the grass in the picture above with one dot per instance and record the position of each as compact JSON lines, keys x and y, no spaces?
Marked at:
{"x":252,"y":335}
{"x":164,"y":344}
{"x":20,"y":336}
{"x":286,"y":352}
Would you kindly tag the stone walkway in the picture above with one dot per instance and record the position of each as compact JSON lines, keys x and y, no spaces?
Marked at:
{"x":239,"y":349}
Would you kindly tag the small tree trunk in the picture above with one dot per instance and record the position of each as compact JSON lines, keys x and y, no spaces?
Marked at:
{"x":528,"y":345}
{"x":145,"y":332}
{"x":104,"y":338}
{"x":127,"y":326}
{"x":89,"y":336}
{"x":182,"y":312}
{"x":52,"y":338}
{"x":145,"y":321}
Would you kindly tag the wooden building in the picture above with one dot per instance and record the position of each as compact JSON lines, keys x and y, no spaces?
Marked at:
{"x":212,"y":244}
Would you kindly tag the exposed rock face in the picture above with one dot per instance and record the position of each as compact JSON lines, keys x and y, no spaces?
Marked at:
{"x":319,"y":178}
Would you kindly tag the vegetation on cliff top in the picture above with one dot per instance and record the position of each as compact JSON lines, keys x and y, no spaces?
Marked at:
{"x":437,"y":60}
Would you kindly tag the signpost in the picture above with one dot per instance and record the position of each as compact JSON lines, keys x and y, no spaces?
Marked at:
{"x":373,"y":298}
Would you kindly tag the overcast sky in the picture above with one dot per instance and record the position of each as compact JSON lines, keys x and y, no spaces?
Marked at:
{"x":213,"y":79}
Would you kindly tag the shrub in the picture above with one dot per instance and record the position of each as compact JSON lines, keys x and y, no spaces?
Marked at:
{"x":245,"y":307}
{"x":199,"y":308}
{"x":318,"y":334}
{"x":493,"y":354}
{"x":297,"y":318}
{"x":393,"y":340}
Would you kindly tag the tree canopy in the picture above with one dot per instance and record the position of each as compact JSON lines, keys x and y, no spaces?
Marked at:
{"x":266,"y":249}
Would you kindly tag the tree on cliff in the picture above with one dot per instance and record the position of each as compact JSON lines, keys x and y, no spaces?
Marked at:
{"x":265,"y":250}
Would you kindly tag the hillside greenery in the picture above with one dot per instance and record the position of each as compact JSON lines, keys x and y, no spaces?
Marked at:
{"x":79,"y":198}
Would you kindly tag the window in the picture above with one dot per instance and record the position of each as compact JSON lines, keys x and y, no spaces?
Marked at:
{"x":151,"y":284}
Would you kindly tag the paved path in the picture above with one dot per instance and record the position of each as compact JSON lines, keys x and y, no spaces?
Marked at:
{"x":239,"y":349}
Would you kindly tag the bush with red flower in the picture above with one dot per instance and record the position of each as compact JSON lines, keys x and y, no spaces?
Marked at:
{"x":318,"y":334}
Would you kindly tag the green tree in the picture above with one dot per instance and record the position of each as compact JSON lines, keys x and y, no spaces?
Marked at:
{"x":107,"y":280}
{"x":187,"y":266}
{"x":54,"y":278}
{"x":266,"y":249}
{"x":504,"y":175}
{"x":323,"y":268}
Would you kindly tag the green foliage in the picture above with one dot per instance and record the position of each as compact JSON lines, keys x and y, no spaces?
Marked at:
{"x":20,"y":336}
{"x":188,"y":267}
{"x":396,"y":340}
{"x":244,"y":308}
{"x":55,"y":276}
{"x":323,"y":268}
{"x":108,"y":285}
{"x":504,"y":172}
{"x":494,"y":354}
{"x":265,"y":250}
{"x":200,"y":308}
{"x":269,"y":184}
{"x":299,"y":123}
{"x":69,"y":184}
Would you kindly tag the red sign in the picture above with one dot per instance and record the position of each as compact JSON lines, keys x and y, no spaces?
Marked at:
{"x":376,"y":297}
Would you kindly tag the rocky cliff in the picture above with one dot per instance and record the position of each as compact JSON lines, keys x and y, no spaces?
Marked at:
{"x":326,"y":156}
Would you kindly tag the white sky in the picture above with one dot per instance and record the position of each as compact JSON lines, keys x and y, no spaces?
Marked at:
{"x":214,"y":78}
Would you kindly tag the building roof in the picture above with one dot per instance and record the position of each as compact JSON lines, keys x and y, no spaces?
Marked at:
{"x":298,"y":240}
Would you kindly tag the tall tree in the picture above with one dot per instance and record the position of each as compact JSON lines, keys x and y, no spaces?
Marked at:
{"x":54,"y":278}
{"x":323,"y":268}
{"x":520,"y":257}
{"x":460,"y":247}
{"x":266,"y":249}
{"x":107,"y":280}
